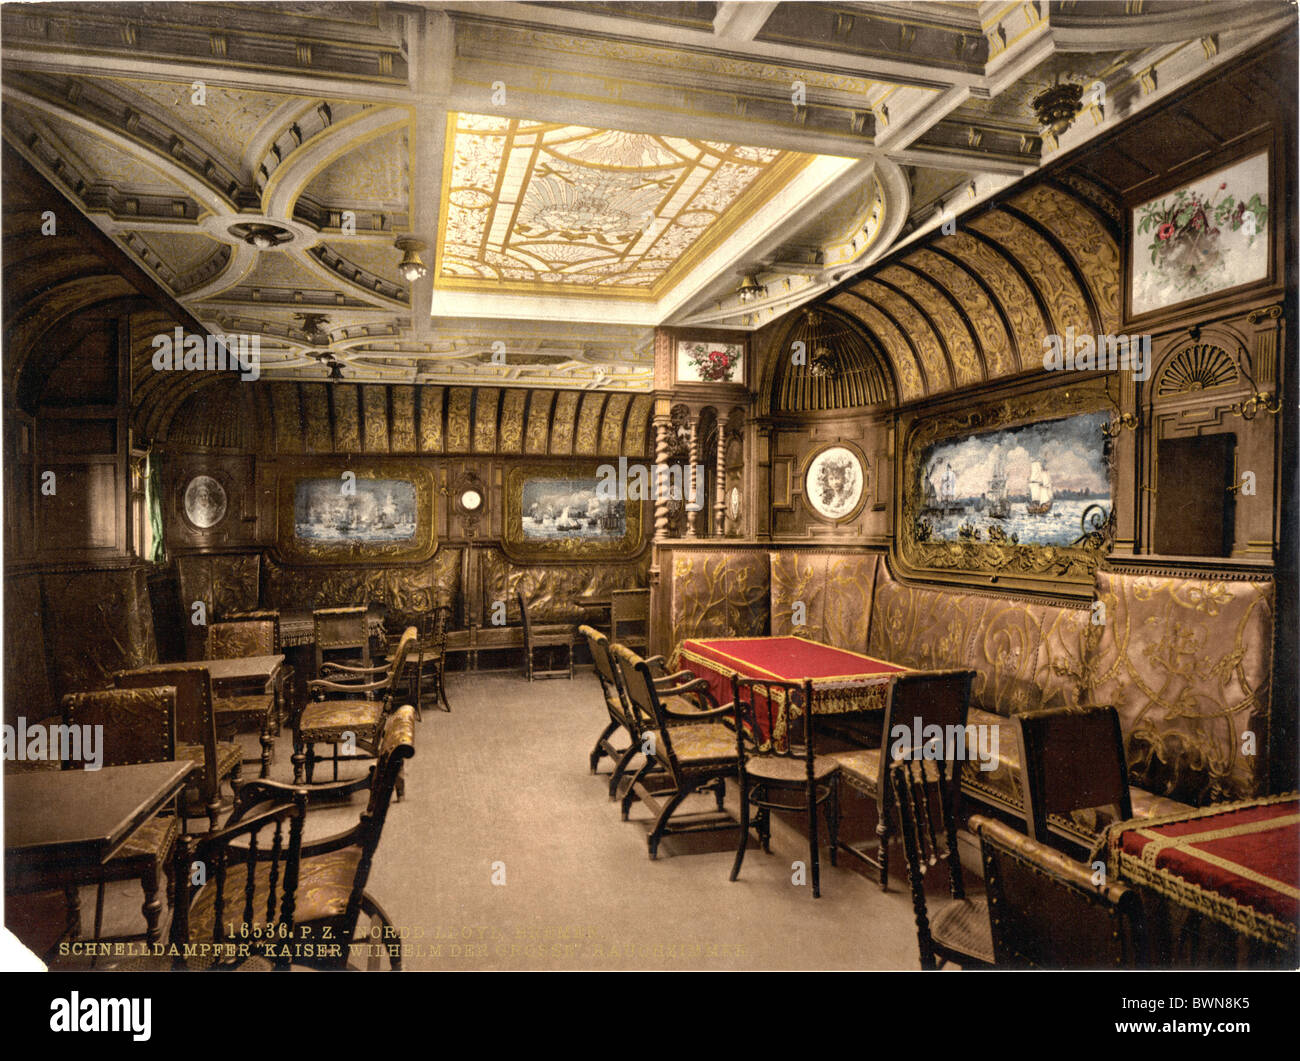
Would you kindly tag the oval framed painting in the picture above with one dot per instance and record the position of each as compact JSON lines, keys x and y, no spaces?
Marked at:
{"x":204,"y":502}
{"x":835,"y":482}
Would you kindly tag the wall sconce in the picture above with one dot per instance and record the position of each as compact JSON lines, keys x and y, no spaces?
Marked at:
{"x":1257,"y":403}
{"x":412,"y":268}
{"x":1120,"y":422}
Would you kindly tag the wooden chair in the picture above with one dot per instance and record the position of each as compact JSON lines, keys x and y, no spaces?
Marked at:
{"x":342,"y":635}
{"x":692,"y":748}
{"x":959,"y":931}
{"x":334,"y":871}
{"x":351,"y":714}
{"x":919,"y":698}
{"x":427,"y":671}
{"x":550,"y":636}
{"x":250,"y":872}
{"x":1046,"y":911}
{"x":778,"y":768}
{"x":621,"y":715}
{"x":196,"y":732}
{"x":137,"y":726}
{"x":629,"y":618}
{"x":250,"y":634}
{"x":1072,"y":760}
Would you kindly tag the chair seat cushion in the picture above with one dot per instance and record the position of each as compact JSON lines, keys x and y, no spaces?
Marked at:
{"x":328,"y":720}
{"x":963,"y":925}
{"x":229,"y":756}
{"x":254,"y":707}
{"x":794,"y":771}
{"x":154,"y":839}
{"x":701,"y":742}
{"x":859,"y":768}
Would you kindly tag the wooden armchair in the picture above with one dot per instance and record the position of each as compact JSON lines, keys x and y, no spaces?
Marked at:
{"x":629,"y":618}
{"x":692,"y":748}
{"x":138,"y":726}
{"x":353,"y":718}
{"x":1046,"y":911}
{"x":778,"y":767}
{"x":621,"y":714}
{"x":342,"y":635}
{"x":959,"y":931}
{"x":918,"y":698}
{"x":426,"y":672}
{"x":1072,"y":765}
{"x":333,"y":873}
{"x":250,"y":634}
{"x":196,"y":733}
{"x":550,"y":636}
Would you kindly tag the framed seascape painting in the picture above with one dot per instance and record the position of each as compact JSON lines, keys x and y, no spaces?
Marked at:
{"x":566,"y":513}
{"x":1202,"y":240}
{"x":355,"y":514}
{"x":1011,"y":489}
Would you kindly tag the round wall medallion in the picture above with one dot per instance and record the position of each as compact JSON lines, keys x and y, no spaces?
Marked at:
{"x":471,"y":500}
{"x":835,"y":482}
{"x":205,"y":502}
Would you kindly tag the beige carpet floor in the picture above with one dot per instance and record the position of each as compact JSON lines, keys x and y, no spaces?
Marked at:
{"x":506,"y":854}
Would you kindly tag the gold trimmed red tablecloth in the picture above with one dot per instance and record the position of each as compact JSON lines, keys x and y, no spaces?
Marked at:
{"x":1238,"y":863}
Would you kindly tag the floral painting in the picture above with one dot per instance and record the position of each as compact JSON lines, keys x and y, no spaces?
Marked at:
{"x":699,"y":362}
{"x":1208,"y":236}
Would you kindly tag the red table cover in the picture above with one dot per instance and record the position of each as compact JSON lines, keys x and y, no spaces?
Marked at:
{"x":1238,"y":863}
{"x":791,"y":659}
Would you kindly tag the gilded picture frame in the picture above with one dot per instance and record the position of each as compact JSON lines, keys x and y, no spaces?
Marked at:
{"x":835,"y":482}
{"x":416,"y":505}
{"x":1074,"y":560}
{"x":566,"y":521}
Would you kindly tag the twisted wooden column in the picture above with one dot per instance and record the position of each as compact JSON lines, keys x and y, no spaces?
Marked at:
{"x":720,"y":500}
{"x":690,"y":485}
{"x":662,"y":425}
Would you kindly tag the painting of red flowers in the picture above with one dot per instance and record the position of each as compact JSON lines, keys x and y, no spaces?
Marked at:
{"x":1205,"y":237}
{"x":699,"y":362}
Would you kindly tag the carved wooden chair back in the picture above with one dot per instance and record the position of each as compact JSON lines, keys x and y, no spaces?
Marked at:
{"x":135,"y":725}
{"x":1072,"y":759}
{"x":629,"y":618}
{"x":342,"y":635}
{"x":246,"y":634}
{"x":1050,"y":912}
{"x":237,"y":885}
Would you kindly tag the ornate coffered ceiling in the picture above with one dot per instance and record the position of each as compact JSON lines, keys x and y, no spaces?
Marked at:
{"x":578,"y":172}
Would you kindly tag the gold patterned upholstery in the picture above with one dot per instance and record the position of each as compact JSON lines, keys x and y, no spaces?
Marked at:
{"x":229,"y":756}
{"x":716,"y":593}
{"x":154,"y":839}
{"x":327,"y":720}
{"x":836,"y":590}
{"x":1187,"y":664}
{"x":702,"y":742}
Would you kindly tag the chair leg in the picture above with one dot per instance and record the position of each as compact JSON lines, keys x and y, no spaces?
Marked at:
{"x":311,"y":762}
{"x":720,"y":792}
{"x":765,"y":829}
{"x":744,"y":832}
{"x":629,"y":796}
{"x":99,"y":909}
{"x":599,"y":750}
{"x":268,"y":747}
{"x":814,"y":852}
{"x":442,"y":692}
{"x":620,"y":769}
{"x":882,"y":854}
{"x":833,"y":817}
{"x":299,"y":759}
{"x":661,"y":823}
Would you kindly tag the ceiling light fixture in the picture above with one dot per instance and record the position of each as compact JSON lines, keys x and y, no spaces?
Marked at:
{"x":261,"y":237}
{"x":750,"y":288}
{"x":1058,"y":106}
{"x":412,"y":268}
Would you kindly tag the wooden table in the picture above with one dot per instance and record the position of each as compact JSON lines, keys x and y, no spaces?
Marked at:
{"x":61,"y":826}
{"x":792,"y":659}
{"x":231,"y":675}
{"x":1236,"y":864}
{"x":298,"y":628}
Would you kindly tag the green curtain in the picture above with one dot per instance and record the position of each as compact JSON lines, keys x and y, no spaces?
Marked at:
{"x":153,"y":503}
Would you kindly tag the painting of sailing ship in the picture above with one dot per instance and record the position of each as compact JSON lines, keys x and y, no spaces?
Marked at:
{"x":555,"y":509}
{"x":351,"y":509}
{"x":1044,"y":483}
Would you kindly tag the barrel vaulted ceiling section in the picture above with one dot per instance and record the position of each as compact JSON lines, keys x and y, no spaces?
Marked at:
{"x":579,"y":174}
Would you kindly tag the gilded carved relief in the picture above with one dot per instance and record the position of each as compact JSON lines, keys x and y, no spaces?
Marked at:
{"x":719,"y":594}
